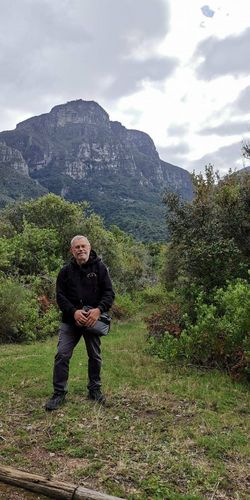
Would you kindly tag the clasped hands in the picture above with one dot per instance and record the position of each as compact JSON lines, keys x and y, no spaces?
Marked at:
{"x":87,"y":318}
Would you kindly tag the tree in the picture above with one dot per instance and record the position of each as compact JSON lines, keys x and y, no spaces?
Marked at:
{"x":246,"y":150}
{"x":210,"y":236}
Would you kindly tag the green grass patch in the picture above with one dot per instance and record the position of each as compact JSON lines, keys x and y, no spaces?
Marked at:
{"x":165,"y":433}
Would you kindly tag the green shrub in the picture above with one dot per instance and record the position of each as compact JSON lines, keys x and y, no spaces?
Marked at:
{"x":42,"y":285}
{"x":218,"y":337}
{"x":19,"y":312}
{"x":7,"y":252}
{"x":124,"y":307}
{"x":154,"y":294}
{"x":48,"y":323}
{"x":36,"y":250}
{"x":169,"y":320}
{"x":210,"y":238}
{"x":22,"y":318}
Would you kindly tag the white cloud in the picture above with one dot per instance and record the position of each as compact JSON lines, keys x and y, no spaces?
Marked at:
{"x":139,"y":60}
{"x":242,"y":103}
{"x":72,"y":49}
{"x":224,"y":57}
{"x":223,"y":159}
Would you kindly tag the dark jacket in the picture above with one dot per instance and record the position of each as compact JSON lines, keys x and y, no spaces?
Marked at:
{"x":85,"y":285}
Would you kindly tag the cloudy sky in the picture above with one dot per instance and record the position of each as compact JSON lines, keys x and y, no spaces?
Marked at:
{"x":176,"y":69}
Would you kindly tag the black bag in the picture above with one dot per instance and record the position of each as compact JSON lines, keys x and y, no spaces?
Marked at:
{"x":102,"y":325}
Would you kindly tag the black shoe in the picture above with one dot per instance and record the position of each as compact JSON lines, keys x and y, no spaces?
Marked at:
{"x":96,"y":395}
{"x":55,"y":401}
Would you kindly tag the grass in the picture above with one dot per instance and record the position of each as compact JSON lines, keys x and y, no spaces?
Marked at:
{"x":166,"y":433}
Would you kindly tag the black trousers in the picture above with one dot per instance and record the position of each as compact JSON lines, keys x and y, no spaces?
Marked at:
{"x":69,"y":336}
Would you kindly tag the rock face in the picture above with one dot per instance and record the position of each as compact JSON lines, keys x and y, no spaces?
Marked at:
{"x":77,"y":152}
{"x":12,"y":158}
{"x":14,"y":174}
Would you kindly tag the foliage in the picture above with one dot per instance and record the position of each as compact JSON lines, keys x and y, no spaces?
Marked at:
{"x":36,"y":250}
{"x":22,"y":319}
{"x":207,"y":265}
{"x":7,"y":253}
{"x":18,"y":312}
{"x":49,"y":211}
{"x":210,"y":236}
{"x":43,"y":285}
{"x":154,"y":294}
{"x":218,"y":337}
{"x":48,"y":323}
{"x":246,"y":150}
{"x":169,"y":320}
{"x":125,"y":307}
{"x":34,"y":243}
{"x":40,"y":239}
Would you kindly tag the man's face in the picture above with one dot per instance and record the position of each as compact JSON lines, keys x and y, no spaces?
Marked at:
{"x":81,"y":250}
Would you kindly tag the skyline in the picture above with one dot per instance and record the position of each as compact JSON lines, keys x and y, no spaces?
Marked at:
{"x":176,"y":70}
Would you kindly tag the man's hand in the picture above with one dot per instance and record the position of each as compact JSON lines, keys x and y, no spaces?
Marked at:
{"x":80,"y":317}
{"x":92,"y":316}
{"x":87,"y":318}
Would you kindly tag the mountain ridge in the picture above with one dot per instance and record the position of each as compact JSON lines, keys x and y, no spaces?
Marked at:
{"x":77,"y":152}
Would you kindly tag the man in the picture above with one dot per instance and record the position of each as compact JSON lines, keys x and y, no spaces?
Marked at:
{"x":83,"y":282}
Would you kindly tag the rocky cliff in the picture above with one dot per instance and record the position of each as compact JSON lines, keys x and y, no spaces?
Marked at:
{"x":14,"y":174}
{"x":77,"y":152}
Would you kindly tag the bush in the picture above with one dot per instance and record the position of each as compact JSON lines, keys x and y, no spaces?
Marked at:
{"x":43,"y":285}
{"x":22,"y":319}
{"x":19,"y":312}
{"x":210,"y":236}
{"x":155,"y":294}
{"x":169,"y":320}
{"x":124,"y":307}
{"x":219,"y":336}
{"x":37,"y":251}
{"x":48,"y":323}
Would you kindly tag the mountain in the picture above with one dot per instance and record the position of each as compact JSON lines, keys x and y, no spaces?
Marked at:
{"x":77,"y":152}
{"x":16,"y":183}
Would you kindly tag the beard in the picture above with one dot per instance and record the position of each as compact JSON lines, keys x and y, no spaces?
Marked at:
{"x":82,"y":258}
